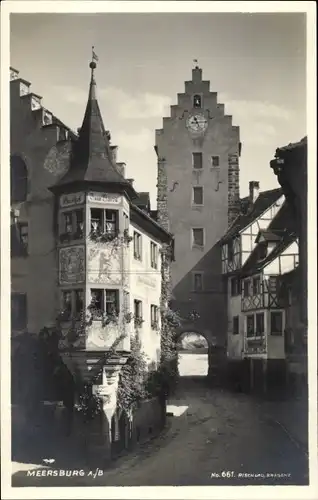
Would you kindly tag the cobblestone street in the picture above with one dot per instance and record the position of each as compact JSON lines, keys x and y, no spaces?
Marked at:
{"x":213,"y":438}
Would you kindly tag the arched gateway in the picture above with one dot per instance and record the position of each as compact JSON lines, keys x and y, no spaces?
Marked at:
{"x":208,"y":356}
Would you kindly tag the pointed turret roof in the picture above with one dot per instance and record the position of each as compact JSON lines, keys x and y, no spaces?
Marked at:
{"x":91,"y":158}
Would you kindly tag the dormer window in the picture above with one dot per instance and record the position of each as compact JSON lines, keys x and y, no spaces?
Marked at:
{"x":262,"y":251}
{"x":197,"y":101}
{"x":47,"y":118}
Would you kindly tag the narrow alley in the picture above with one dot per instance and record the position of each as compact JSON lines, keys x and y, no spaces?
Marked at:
{"x":214,"y":438}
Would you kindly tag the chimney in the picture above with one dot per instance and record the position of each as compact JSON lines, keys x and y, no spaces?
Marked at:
{"x":114,"y":150}
{"x":121,"y":168}
{"x":254,"y":191}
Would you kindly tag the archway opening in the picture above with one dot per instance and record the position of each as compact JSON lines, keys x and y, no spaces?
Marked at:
{"x":192,"y":355}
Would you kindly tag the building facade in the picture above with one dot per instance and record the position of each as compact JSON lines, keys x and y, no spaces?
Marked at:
{"x":86,"y":259}
{"x":290,"y":166}
{"x":198,"y":150}
{"x":258,"y":249}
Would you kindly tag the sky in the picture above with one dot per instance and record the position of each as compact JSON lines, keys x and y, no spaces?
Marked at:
{"x":256,"y":63}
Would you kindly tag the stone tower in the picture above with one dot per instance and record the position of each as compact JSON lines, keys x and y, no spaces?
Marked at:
{"x":198,"y":151}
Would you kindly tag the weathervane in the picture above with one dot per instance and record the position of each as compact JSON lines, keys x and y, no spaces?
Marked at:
{"x":94,"y":58}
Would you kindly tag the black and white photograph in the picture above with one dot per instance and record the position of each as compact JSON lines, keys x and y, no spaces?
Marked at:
{"x":158,"y":227}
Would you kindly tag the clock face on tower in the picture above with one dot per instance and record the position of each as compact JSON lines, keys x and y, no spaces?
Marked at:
{"x":197,"y":123}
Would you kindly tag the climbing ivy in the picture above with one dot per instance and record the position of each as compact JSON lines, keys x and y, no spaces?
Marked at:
{"x":132,"y":380}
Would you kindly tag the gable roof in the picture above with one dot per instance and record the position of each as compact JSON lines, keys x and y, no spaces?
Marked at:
{"x":264,"y":201}
{"x":143,"y":200}
{"x":282,"y":229}
{"x":91,"y":158}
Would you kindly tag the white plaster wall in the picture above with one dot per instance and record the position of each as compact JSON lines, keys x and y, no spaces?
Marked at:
{"x":145,"y":285}
{"x":235,"y":343}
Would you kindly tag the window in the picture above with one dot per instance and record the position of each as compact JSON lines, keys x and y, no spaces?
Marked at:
{"x":104,"y":301}
{"x":97,"y":303}
{"x":197,"y":102}
{"x":272,"y":283}
{"x":138,"y":313}
{"x":260,"y":324}
{"x":19,"y":239}
{"x":68,"y":222}
{"x":235,"y":329}
{"x":67,"y":304}
{"x":19,"y":311}
{"x":197,"y":195}
{"x":111,"y":222}
{"x":256,"y":286}
{"x":126,"y":221}
{"x":104,"y":222}
{"x":247,"y":288}
{"x":154,"y":316}
{"x":19,"y":179}
{"x":137,"y":246}
{"x":250,"y":325}
{"x":79,"y":223}
{"x":230,"y":251}
{"x":153,"y":255}
{"x":276,"y":323}
{"x":215,"y":160}
{"x":126,"y":302}
{"x":78,"y":301}
{"x":96,"y":220}
{"x":198,"y":282}
{"x":198,"y":237}
{"x":235,"y":287}
{"x":72,"y":304}
{"x":197,"y":160}
{"x":72,"y":225}
{"x":112,"y":302}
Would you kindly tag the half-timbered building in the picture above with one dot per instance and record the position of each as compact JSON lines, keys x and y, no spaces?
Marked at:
{"x":258,"y":248}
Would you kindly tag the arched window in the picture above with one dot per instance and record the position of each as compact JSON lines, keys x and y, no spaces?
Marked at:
{"x":19,"y":179}
{"x":197,"y":101}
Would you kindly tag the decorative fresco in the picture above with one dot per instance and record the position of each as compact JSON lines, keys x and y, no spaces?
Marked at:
{"x":104,"y":197}
{"x":72,"y":265}
{"x":68,"y":200}
{"x":104,"y":265}
{"x":58,"y":158}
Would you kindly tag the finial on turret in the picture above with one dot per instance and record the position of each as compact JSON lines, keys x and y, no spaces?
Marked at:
{"x":196,"y":63}
{"x":92,"y":64}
